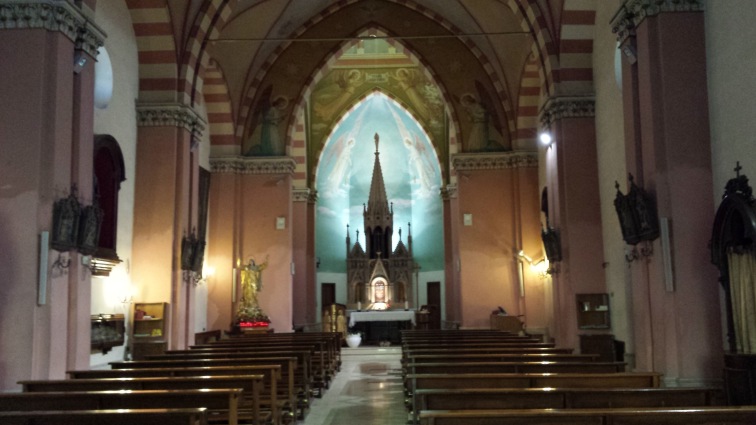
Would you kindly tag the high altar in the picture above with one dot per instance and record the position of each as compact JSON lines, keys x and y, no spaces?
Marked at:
{"x":379,"y":277}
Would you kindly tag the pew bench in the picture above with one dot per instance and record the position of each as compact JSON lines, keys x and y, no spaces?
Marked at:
{"x":514,"y":367}
{"x":289,"y":392}
{"x":736,"y":415}
{"x":251,"y":384}
{"x":222,"y":404}
{"x":499,"y":357}
{"x":197,"y":416}
{"x":269,"y":401}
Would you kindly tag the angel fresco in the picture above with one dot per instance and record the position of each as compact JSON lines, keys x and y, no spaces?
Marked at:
{"x":485,"y":132}
{"x":345,"y":84}
{"x":409,"y":80}
{"x":419,"y":158}
{"x":266,"y":139}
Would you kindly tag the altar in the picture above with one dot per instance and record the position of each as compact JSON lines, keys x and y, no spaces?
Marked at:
{"x":379,"y":326}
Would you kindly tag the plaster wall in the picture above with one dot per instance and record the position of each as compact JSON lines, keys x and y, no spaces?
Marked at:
{"x":112,"y":294}
{"x":610,"y":147}
{"x":487,"y":248}
{"x":220,"y":250}
{"x":730,"y":60}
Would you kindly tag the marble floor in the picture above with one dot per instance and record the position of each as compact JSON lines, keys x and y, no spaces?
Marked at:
{"x":367,"y":391}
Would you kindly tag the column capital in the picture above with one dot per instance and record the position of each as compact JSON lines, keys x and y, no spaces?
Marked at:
{"x":449,"y":192}
{"x":633,"y":12}
{"x":253,"y":165}
{"x":560,"y":107}
{"x":170,"y":115}
{"x":494,"y":161}
{"x":304,"y":195}
{"x":53,"y":15}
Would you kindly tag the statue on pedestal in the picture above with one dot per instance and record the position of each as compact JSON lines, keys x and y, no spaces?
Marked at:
{"x":251,"y":283}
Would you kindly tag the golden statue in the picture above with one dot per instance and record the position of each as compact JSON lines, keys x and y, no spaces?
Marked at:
{"x":251,"y":284}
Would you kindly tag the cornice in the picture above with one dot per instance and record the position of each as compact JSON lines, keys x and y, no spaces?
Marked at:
{"x":633,"y":12}
{"x":305,"y":195}
{"x":170,"y":114}
{"x":561,"y":107}
{"x":253,"y":165}
{"x":53,"y":15}
{"x":449,"y":192}
{"x":494,"y":161}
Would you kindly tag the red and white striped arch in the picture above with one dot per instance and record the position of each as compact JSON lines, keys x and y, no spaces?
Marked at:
{"x":576,"y":46}
{"x":220,"y":115}
{"x":528,"y":102}
{"x":169,"y":72}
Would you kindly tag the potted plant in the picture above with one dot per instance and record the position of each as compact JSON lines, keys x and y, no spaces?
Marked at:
{"x":354,"y":338}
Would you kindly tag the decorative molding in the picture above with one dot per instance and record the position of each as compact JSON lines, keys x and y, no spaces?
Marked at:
{"x":561,"y":107}
{"x":633,"y":12}
{"x":494,"y":161}
{"x":305,"y":195}
{"x":170,"y":114}
{"x":449,"y":192}
{"x":53,"y":15}
{"x":253,"y":165}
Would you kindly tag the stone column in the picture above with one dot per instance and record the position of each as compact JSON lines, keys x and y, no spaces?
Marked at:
{"x":303,"y":228}
{"x":165,"y":210}
{"x":451,"y":254}
{"x":675,"y":294}
{"x":575,"y":209}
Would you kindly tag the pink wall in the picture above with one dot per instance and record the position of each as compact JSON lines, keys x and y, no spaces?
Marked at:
{"x":222,"y":207}
{"x":45,"y":126}
{"x":676,"y":166}
{"x":304,"y":290}
{"x":487,"y":249}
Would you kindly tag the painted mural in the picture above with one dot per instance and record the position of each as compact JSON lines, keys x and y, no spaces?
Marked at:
{"x":267,"y":137}
{"x":411,"y":173}
{"x":371,"y":65}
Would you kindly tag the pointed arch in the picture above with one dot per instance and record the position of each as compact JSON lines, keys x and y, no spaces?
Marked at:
{"x":576,"y":46}
{"x":220,"y":114}
{"x":527,"y":105}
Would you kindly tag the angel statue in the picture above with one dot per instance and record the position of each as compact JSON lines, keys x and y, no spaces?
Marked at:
{"x":251,"y":284}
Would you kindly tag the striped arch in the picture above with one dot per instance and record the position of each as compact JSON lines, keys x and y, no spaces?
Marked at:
{"x":151,"y":20}
{"x":164,"y":76}
{"x":213,"y":14}
{"x":220,"y":115}
{"x":528,"y":103}
{"x":533,"y":21}
{"x":576,"y":46}
{"x":496,"y":80}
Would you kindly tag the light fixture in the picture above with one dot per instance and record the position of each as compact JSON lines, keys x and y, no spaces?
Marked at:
{"x":545,"y":139}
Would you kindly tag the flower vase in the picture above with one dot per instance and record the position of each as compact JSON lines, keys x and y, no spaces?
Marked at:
{"x":353,"y":340}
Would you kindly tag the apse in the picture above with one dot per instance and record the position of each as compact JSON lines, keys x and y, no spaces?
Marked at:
{"x":412,"y":178}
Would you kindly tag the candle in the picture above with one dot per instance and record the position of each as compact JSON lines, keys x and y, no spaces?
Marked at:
{"x":406,"y":305}
{"x":359,"y":305}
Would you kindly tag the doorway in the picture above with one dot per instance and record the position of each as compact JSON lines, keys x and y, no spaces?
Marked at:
{"x":434,"y":304}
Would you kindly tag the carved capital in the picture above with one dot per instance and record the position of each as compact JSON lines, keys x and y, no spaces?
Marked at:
{"x":633,"y":12}
{"x":558,"y":108}
{"x":449,"y":192}
{"x":170,"y":115}
{"x":305,"y":195}
{"x":53,"y":15}
{"x":494,"y":161}
{"x":253,"y":165}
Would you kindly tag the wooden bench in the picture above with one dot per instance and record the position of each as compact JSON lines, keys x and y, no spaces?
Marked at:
{"x":565,"y":398}
{"x":739,"y":415}
{"x":515,"y":367}
{"x":501,"y":357}
{"x":196,"y":416}
{"x":268,"y":396}
{"x":251,"y":384}
{"x":415,"y":382}
{"x":288,"y":368}
{"x":221,"y":404}
{"x":207,"y":336}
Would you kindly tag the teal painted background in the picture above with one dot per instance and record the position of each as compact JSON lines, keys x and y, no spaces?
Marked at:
{"x":411,"y":174}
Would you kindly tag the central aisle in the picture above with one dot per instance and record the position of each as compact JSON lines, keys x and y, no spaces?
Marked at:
{"x":367,"y":390}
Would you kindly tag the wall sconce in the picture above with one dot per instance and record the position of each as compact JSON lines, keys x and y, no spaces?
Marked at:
{"x":545,"y":139}
{"x":541,"y":267}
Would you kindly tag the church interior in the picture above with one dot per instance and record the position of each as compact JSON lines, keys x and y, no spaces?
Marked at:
{"x":580,"y":165}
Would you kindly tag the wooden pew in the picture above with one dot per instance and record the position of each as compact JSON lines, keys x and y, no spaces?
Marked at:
{"x":515,"y":367}
{"x":417,"y":382}
{"x":499,"y":357}
{"x":565,"y":398}
{"x":221,"y":404}
{"x":197,"y":416}
{"x":251,"y":384}
{"x":268,"y":396}
{"x":288,"y":368}
{"x":737,"y":415}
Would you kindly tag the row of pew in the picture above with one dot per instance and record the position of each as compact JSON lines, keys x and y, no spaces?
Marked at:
{"x":259,"y":379}
{"x":481,"y":377}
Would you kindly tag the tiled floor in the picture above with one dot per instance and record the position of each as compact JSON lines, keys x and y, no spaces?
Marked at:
{"x":367,"y":390}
